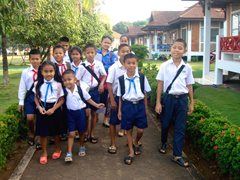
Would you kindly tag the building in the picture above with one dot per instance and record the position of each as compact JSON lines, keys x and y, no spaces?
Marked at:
{"x":136,"y":35}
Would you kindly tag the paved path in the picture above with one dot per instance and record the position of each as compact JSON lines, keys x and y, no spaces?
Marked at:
{"x":99,"y":164}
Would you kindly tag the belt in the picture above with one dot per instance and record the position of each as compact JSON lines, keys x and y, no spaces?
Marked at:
{"x":94,"y":88}
{"x":178,"y":96}
{"x":134,"y":102}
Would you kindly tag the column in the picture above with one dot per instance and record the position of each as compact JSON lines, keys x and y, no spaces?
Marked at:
{"x":155,"y":40}
{"x":218,"y":73}
{"x":206,"y":44}
{"x":189,"y":43}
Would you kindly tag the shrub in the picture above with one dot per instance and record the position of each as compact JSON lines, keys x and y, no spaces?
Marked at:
{"x":140,"y":51}
{"x":8,"y":134}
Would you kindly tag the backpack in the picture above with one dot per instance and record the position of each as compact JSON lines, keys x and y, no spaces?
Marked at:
{"x":122,"y":84}
{"x":79,"y":92}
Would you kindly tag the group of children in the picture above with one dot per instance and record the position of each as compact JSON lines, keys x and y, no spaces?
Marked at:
{"x":63,"y":94}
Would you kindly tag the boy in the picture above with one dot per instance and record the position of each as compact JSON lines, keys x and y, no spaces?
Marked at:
{"x":75,"y":101}
{"x":89,"y":72}
{"x":64,"y":42}
{"x":132,"y":88}
{"x":25,"y":94}
{"x":176,"y":99}
{"x":114,"y":72}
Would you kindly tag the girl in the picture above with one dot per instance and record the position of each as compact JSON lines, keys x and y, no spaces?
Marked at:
{"x":48,"y":98}
{"x":108,"y":58}
{"x":76,"y":57}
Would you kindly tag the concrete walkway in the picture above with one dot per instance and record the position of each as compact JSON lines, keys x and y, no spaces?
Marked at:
{"x":99,"y":164}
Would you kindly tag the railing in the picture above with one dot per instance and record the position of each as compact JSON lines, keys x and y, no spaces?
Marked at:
{"x":230,"y":44}
{"x":162,"y":47}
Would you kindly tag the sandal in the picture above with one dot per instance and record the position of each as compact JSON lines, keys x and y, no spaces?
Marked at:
{"x":38,"y":146}
{"x":82,"y":151}
{"x":43,"y":160}
{"x":93,"y":140}
{"x":163,"y":149}
{"x":120,"y":133}
{"x":68,"y":157}
{"x":112,"y":149}
{"x":137,"y":149}
{"x":128,"y":160}
{"x":31,"y":141}
{"x":56,"y":155}
{"x":180,"y":161}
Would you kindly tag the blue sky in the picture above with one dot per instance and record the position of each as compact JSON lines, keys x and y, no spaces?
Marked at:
{"x":133,"y":10}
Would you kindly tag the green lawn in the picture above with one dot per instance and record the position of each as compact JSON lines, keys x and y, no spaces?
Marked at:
{"x":223,"y":100}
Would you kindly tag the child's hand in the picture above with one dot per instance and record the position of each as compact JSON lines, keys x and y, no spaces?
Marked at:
{"x":101,"y":88}
{"x":20,"y":108}
{"x":113,"y":105}
{"x":158,"y":108}
{"x":41,"y":110}
{"x":50,"y":111}
{"x":100,"y":105}
{"x":119,"y":115}
{"x":190,"y":109}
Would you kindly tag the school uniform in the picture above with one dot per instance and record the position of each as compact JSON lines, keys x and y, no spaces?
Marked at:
{"x":76,"y":116}
{"x":84,"y":75}
{"x":25,"y":94}
{"x":63,"y":67}
{"x":133,"y":107}
{"x":51,"y":125}
{"x":75,"y":68}
{"x":176,"y":102}
{"x":114,"y":72}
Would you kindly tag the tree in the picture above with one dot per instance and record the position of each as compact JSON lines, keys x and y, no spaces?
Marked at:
{"x":11,"y":14}
{"x":139,"y":23}
{"x":121,"y":27}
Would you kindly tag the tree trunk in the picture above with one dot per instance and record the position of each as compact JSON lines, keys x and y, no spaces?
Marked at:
{"x":5,"y":60}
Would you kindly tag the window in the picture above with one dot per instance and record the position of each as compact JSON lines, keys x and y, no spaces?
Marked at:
{"x":235,"y":24}
{"x":184,"y":34}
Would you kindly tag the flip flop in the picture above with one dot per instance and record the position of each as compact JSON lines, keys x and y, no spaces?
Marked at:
{"x":43,"y":160}
{"x":56,"y":155}
{"x":180,"y":161}
{"x":128,"y":160}
{"x":137,"y":149}
{"x":93,"y":140}
{"x":112,"y":149}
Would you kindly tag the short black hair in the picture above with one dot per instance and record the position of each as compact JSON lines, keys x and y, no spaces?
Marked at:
{"x":68,"y":71}
{"x":181,"y":41}
{"x":89,"y":45}
{"x":122,"y":46}
{"x":58,"y":47}
{"x":129,"y":56}
{"x":64,"y":39}
{"x":124,"y":35}
{"x":34,"y":52}
{"x":107,"y":37}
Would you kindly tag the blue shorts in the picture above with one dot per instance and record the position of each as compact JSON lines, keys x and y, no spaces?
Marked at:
{"x":29,"y":104}
{"x":95,"y":97}
{"x":133,"y":114}
{"x":113,"y":115}
{"x":77,"y":120}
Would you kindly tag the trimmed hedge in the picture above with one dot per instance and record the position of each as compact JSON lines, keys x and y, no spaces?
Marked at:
{"x":10,"y":128}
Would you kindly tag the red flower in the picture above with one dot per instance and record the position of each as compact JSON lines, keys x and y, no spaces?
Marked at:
{"x":215,"y":147}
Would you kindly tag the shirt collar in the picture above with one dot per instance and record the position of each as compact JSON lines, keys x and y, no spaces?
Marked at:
{"x":49,"y":81}
{"x":135,"y":75}
{"x":88,"y":63}
{"x":75,"y":89}
{"x":62,"y":62}
{"x":75,"y":65}
{"x":181,"y":63}
{"x":119,"y":64}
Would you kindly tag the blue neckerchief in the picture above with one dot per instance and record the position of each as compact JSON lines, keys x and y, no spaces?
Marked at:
{"x":131,"y":81}
{"x":49,"y":84}
{"x":75,"y":69}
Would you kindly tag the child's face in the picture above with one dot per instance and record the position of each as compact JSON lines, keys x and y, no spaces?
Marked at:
{"x":48,"y":72}
{"x":106,"y":43}
{"x":35,"y":60}
{"x":58,"y":55}
{"x":69,"y":80}
{"x":76,"y":56}
{"x":124,"y":40}
{"x":90,"y":54}
{"x":131,"y":65}
{"x":123,"y":51}
{"x":177,"y":50}
{"x":65,"y":45}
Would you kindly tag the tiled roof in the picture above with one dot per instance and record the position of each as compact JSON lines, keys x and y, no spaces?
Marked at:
{"x":161,"y":18}
{"x":134,"y":31}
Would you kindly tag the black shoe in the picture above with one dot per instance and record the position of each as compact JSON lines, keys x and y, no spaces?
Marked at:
{"x":51,"y":140}
{"x":163,"y":149}
{"x":38,"y":146}
{"x":63,"y":137}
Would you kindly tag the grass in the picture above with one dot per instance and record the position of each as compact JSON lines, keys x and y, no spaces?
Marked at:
{"x":223,"y":100}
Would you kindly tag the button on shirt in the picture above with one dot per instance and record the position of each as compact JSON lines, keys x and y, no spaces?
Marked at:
{"x":114,"y":72}
{"x":167,"y":72}
{"x":107,"y":59}
{"x":133,"y":94}
{"x":84,"y":75}
{"x":52,"y":96}
{"x":74,"y":101}
{"x":25,"y":84}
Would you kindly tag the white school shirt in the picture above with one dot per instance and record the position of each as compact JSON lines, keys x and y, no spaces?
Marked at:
{"x":114,"y":72}
{"x":52,"y":96}
{"x":84,"y":75}
{"x":26,"y":82}
{"x":74,"y":101}
{"x":73,"y":66}
{"x":132,"y":95}
{"x":167,"y":72}
{"x":61,"y":68}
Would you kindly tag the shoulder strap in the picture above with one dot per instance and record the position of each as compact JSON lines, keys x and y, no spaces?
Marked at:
{"x":81,"y":94}
{"x":178,"y":72}
{"x":91,"y":72}
{"x":142,"y":77}
{"x":68,"y":65}
{"x":122,"y":85}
